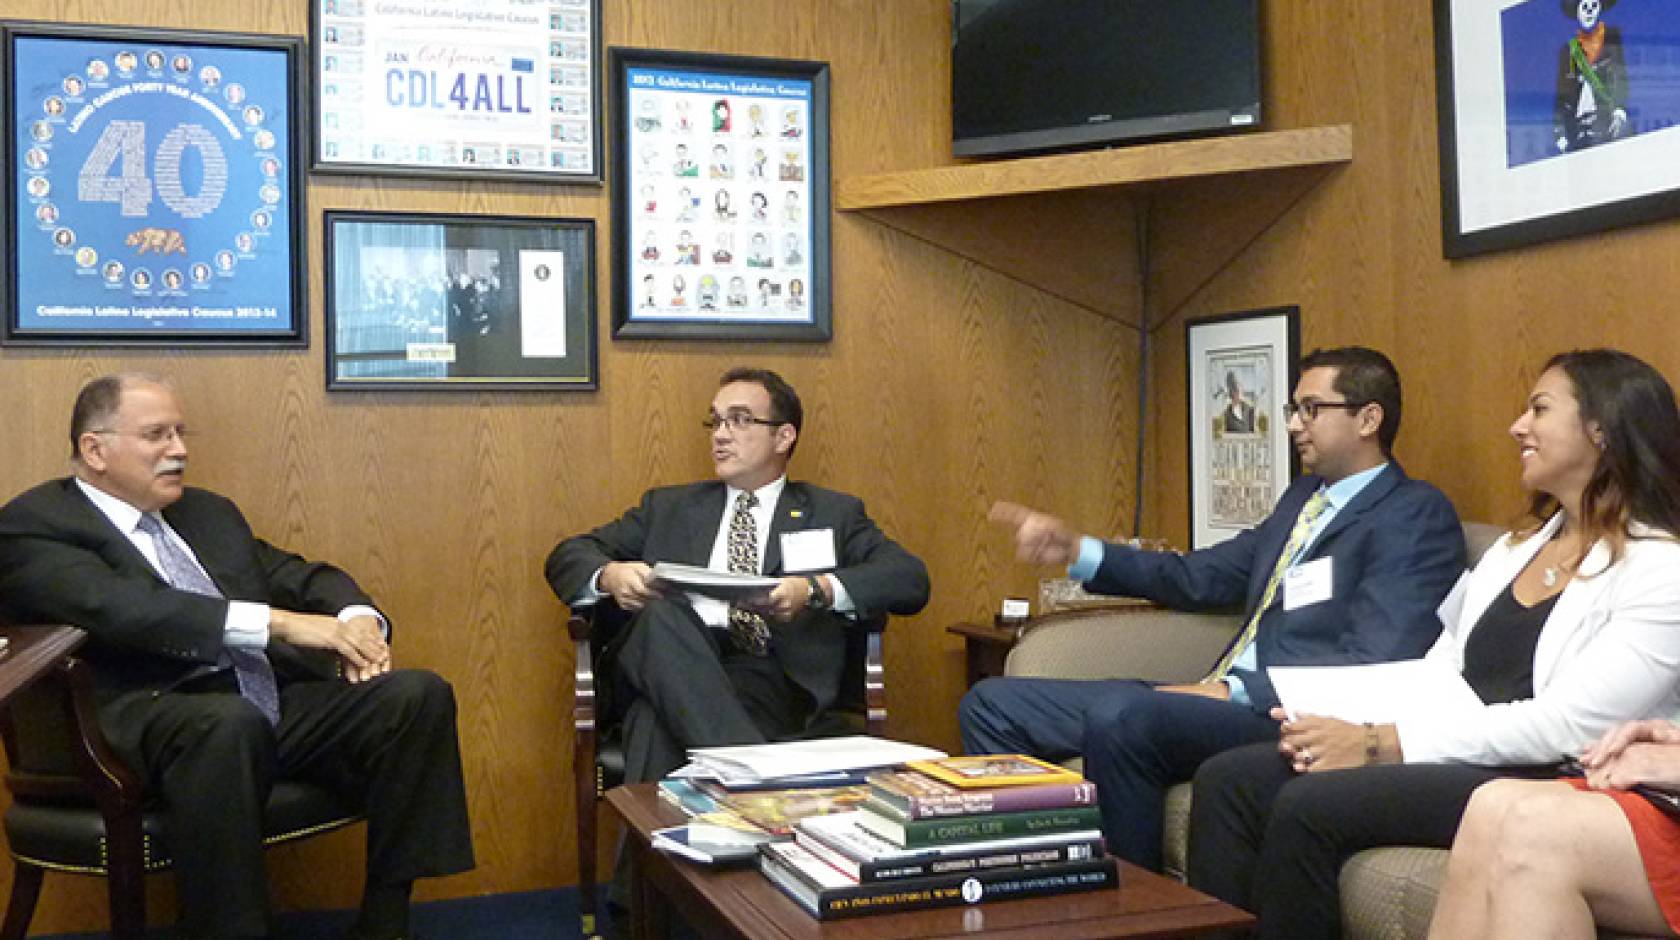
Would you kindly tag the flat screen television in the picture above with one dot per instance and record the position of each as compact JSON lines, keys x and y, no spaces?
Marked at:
{"x":1032,"y":75}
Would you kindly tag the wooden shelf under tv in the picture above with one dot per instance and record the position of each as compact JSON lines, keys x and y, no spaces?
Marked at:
{"x":1082,"y":226}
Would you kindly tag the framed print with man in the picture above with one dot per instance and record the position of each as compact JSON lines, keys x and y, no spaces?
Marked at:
{"x":154,"y":193}
{"x":720,"y":196}
{"x":1557,"y":118}
{"x":420,"y":301}
{"x":1241,"y":372}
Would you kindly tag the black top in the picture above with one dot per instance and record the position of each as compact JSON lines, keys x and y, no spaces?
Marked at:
{"x":1499,"y":656}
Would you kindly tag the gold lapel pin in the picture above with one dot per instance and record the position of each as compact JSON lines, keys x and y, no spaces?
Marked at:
{"x":796,"y":513}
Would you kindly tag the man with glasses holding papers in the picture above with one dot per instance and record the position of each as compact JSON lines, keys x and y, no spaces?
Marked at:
{"x":1349,"y":568}
{"x":766,"y":664}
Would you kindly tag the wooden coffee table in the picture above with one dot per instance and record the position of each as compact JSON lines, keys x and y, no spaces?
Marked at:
{"x":740,"y":902}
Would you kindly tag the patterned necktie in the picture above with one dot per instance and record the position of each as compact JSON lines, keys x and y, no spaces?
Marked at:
{"x":1297,"y":538}
{"x":750,"y":632}
{"x":250,"y":667}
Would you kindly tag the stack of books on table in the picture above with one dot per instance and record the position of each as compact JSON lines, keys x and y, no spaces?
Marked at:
{"x":737,"y":798}
{"x":951,"y":831}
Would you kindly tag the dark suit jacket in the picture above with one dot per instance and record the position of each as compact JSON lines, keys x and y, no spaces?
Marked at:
{"x":1398,"y":549}
{"x":680,"y":524}
{"x":62,"y":561}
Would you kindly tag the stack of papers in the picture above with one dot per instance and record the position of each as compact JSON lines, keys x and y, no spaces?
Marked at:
{"x":751,"y":764}
{"x":721,"y":585}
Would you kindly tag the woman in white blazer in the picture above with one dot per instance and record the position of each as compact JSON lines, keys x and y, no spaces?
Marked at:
{"x":1566,"y":628}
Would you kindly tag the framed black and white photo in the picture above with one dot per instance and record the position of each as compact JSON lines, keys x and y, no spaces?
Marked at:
{"x":1557,"y":118}
{"x":154,"y":193}
{"x":490,"y":89}
{"x":1241,"y":373}
{"x":419,"y":301}
{"x":720,"y":196}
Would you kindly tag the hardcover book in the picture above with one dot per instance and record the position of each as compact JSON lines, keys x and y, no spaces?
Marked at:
{"x":914,"y":795}
{"x":948,"y":830}
{"x":865,"y":857}
{"x":826,"y":893}
{"x":994,"y":770}
{"x":777,"y":810}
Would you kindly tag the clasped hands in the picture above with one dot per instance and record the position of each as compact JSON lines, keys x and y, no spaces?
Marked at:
{"x":1637,"y":752}
{"x":358,"y":641}
{"x":632,"y":585}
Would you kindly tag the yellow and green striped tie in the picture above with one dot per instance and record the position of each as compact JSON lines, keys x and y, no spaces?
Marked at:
{"x":1297,"y":538}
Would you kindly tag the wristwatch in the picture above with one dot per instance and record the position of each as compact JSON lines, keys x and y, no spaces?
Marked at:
{"x":818,"y":600}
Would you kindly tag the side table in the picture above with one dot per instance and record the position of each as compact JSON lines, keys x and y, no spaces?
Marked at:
{"x":987,"y":646}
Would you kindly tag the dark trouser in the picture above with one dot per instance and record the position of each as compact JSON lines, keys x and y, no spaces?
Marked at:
{"x":1136,"y":741}
{"x":389,"y":743}
{"x":690,"y":687}
{"x":1272,"y":841}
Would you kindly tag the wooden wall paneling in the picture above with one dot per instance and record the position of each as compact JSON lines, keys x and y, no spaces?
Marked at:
{"x":947,"y":386}
{"x":1078,"y":246}
{"x":1362,"y":256}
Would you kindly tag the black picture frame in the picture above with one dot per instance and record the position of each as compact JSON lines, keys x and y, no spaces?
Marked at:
{"x":435,"y":88}
{"x":759,"y":267}
{"x":439,"y":301}
{"x":1241,"y":459}
{"x":1525,"y":155}
{"x":155,"y":188}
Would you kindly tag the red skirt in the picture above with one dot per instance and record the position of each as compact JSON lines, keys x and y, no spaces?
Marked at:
{"x":1658,"y":838}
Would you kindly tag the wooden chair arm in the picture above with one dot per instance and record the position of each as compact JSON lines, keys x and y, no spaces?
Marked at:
{"x":66,"y":694}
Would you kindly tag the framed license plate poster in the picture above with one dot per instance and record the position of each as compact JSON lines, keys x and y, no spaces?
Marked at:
{"x":153,"y":189}
{"x":491,"y":88}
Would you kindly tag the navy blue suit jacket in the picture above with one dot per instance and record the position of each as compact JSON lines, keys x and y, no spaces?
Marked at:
{"x":1398,"y":549}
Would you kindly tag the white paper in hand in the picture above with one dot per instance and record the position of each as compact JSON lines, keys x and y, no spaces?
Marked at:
{"x":1380,"y":693}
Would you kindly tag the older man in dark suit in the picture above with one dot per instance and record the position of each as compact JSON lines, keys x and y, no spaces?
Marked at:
{"x":703,"y":674}
{"x":222,"y":663}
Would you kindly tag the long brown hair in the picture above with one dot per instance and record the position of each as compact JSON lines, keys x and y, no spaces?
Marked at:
{"x":1637,"y":478}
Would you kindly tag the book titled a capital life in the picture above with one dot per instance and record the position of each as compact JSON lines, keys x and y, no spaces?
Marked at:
{"x":946,"y":830}
{"x":722,"y":585}
{"x":826,"y":893}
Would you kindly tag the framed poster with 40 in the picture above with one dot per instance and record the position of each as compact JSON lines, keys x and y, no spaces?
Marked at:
{"x":154,"y":194}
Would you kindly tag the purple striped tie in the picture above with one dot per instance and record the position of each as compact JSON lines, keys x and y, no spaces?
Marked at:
{"x":250,"y":667}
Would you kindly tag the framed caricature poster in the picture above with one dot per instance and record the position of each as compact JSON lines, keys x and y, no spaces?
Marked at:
{"x":154,"y":193}
{"x":720,"y":196}
{"x":423,"y":301}
{"x":1557,"y":118}
{"x":1241,"y":372}
{"x":491,"y":88}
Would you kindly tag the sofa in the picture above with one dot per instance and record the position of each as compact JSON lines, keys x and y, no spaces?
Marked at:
{"x":1387,"y":893}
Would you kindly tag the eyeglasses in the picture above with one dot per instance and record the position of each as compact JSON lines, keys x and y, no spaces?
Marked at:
{"x":1308,"y":410}
{"x":736,"y":421}
{"x":152,"y":435}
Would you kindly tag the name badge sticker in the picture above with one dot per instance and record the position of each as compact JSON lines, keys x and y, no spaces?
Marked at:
{"x":1308,"y":584}
{"x":810,"y":550}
